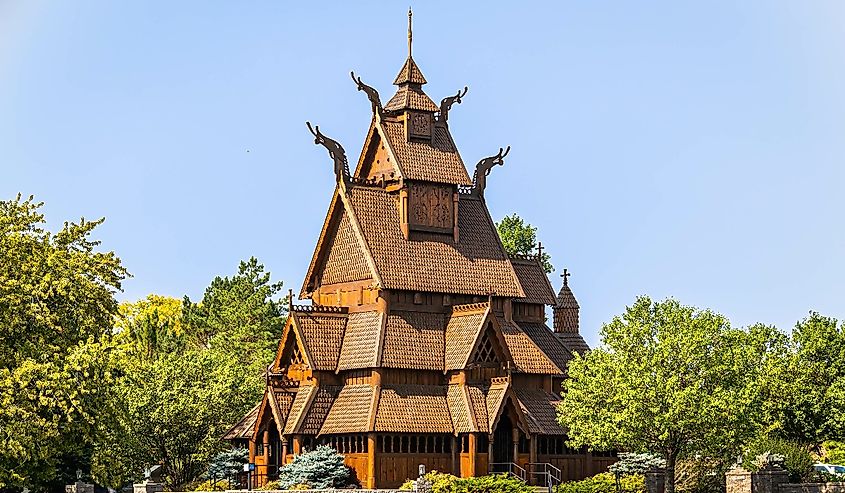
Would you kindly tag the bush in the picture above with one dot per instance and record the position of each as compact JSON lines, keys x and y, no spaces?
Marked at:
{"x":497,"y":483}
{"x":603,"y":483}
{"x":797,"y":459}
{"x":207,"y":485}
{"x":321,"y":468}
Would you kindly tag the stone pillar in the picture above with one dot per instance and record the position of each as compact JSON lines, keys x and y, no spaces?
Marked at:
{"x":655,"y":481}
{"x":147,"y":487}
{"x":738,"y":480}
{"x":768,"y":480}
{"x":79,"y":487}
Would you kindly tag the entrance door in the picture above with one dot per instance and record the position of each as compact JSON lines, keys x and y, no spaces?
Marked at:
{"x":503,"y":441}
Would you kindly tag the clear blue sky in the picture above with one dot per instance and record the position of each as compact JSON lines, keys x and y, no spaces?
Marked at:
{"x":680,"y":149}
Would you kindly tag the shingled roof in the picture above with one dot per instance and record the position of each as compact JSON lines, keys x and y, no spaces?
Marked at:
{"x":435,"y":266}
{"x":361,"y":341}
{"x":413,"y":409}
{"x":540,"y":410}
{"x":436,"y":161}
{"x":414,"y":340}
{"x":243,"y":429}
{"x":534,"y":281}
{"x":323,"y":334}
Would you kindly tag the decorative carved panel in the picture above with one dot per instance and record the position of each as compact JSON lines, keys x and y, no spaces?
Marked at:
{"x":420,"y":124}
{"x":430,"y":207}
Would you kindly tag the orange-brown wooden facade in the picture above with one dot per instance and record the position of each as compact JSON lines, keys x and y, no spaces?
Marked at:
{"x":424,"y":343}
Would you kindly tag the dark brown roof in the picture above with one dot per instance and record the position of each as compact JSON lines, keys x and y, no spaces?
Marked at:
{"x":411,"y":97}
{"x":547,"y":342}
{"x":298,"y":408}
{"x":413,"y":409}
{"x":323,"y":334}
{"x":345,"y":261}
{"x":526,"y":354}
{"x":420,"y":160}
{"x":360,"y":341}
{"x":319,"y":408}
{"x":540,"y":410}
{"x":461,"y":333}
{"x":475,"y":265}
{"x":410,"y":73}
{"x":458,"y":403}
{"x":414,"y":340}
{"x":565,"y":298}
{"x":244,"y":428}
{"x":534,"y":281}
{"x":478,"y":407}
{"x":350,"y":412}
{"x":573,"y":342}
{"x":280,"y":402}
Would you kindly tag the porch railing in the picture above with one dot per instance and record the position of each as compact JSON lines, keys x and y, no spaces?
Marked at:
{"x":507,"y":468}
{"x":544,"y":474}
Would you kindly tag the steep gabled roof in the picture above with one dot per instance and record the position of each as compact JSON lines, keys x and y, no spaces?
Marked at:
{"x":350,"y":411}
{"x":413,"y":409}
{"x":540,"y":410}
{"x":410,"y":73}
{"x":243,"y":429}
{"x":361,"y":341}
{"x":414,"y":340}
{"x":462,"y":333}
{"x":475,"y":265}
{"x":534,"y":281}
{"x":545,"y":339}
{"x":322,"y":334}
{"x":527,"y":355}
{"x":435,"y":161}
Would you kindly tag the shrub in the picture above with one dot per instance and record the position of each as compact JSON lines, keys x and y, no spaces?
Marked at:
{"x":796,"y":459}
{"x":270,"y":486}
{"x":630,"y":463}
{"x":497,"y":483}
{"x":217,"y":485}
{"x":603,"y":483}
{"x":321,"y":468}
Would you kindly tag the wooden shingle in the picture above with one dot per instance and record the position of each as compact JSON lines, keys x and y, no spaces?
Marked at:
{"x":414,"y":340}
{"x":413,"y":409}
{"x":350,"y":411}
{"x":360,"y":341}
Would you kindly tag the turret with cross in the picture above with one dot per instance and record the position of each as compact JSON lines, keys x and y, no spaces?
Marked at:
{"x":566,"y":309}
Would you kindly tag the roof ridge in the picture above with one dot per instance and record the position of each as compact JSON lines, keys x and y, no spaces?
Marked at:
{"x":467,"y":307}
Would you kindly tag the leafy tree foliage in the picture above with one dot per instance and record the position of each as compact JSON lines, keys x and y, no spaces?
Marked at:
{"x":668,"y":379}
{"x":796,"y":459}
{"x":520,"y":238}
{"x":188,"y":372}
{"x":56,"y":308}
{"x":805,"y":396}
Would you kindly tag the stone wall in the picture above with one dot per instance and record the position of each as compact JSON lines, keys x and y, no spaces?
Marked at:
{"x":812,"y":488}
{"x":738,"y":480}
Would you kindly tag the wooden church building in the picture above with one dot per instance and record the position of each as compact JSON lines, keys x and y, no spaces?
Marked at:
{"x":424,"y":342}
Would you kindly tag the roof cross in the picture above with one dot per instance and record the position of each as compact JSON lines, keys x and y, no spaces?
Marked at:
{"x":540,"y":250}
{"x":565,"y":276}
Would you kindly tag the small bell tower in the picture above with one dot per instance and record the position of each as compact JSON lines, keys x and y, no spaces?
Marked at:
{"x":566,"y":309}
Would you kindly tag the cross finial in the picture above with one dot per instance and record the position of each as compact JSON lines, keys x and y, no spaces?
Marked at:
{"x":565,"y":277}
{"x":290,"y":300}
{"x":410,"y":35}
{"x":540,"y":250}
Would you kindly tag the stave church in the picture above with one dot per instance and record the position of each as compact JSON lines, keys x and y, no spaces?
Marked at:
{"x":424,"y":342}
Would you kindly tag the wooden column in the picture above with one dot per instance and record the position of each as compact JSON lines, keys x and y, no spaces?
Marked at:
{"x":297,"y":445}
{"x":532,"y":450}
{"x":456,"y":456}
{"x":473,"y":451}
{"x":515,"y":439}
{"x":266,"y":442}
{"x":371,"y":460}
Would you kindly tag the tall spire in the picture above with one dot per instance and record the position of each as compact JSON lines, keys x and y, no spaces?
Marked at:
{"x":410,"y":32}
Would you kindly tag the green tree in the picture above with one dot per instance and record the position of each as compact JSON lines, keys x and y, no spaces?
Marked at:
{"x":520,"y":238}
{"x":806,"y":396}
{"x":667,"y":379}
{"x":56,"y":308}
{"x":188,"y":372}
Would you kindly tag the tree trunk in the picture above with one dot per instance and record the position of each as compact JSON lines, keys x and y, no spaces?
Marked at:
{"x":671,"y":457}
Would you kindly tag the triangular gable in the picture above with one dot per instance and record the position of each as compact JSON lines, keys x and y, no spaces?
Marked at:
{"x":354,"y":246}
{"x":502,"y":398}
{"x":269,"y":408}
{"x":373,"y":144}
{"x":292,"y":348}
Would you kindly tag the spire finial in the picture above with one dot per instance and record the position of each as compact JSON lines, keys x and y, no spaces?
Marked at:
{"x":540,"y":251}
{"x":565,"y":277}
{"x":410,"y":34}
